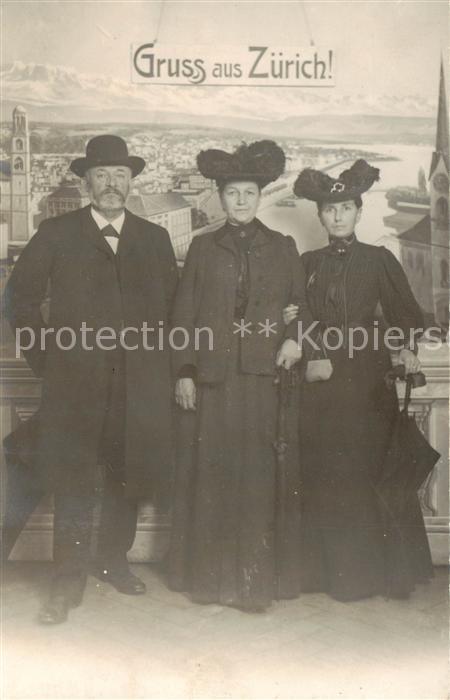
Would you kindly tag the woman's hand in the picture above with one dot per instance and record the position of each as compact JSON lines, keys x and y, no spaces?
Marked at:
{"x":290,"y":313}
{"x":185,"y":393}
{"x":409,"y":359}
{"x":288,"y":354}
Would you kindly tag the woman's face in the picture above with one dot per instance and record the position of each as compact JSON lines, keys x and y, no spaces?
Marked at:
{"x":340,"y":218}
{"x":240,"y":201}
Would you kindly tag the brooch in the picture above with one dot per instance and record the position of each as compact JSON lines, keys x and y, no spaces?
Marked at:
{"x":337,"y":187}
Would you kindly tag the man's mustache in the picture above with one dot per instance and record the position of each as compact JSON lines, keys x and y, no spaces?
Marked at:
{"x":111,"y":190}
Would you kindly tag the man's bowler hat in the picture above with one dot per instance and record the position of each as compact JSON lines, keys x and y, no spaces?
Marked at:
{"x":107,"y":149}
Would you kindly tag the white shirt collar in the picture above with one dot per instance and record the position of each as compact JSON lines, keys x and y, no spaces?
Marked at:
{"x":102,"y":222}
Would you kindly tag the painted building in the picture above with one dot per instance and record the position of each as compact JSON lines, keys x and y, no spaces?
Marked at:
{"x":5,"y":193}
{"x":21,"y":217}
{"x":169,"y":210}
{"x":67,"y":197}
{"x":196,"y":198}
{"x":422,"y":247}
{"x":193,"y":180}
{"x":439,"y":196}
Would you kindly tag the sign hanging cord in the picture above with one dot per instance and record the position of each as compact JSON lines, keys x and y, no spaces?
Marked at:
{"x":307,"y":25}
{"x":158,"y":24}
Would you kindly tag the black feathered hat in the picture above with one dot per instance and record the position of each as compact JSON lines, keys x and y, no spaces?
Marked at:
{"x":351,"y":183}
{"x":261,"y":162}
{"x":107,"y":149}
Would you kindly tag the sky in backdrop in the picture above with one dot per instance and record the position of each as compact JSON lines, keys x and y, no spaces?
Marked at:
{"x":389,"y":47}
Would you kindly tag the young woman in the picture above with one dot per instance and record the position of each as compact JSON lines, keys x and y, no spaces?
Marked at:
{"x":235,"y":283}
{"x":347,"y":419}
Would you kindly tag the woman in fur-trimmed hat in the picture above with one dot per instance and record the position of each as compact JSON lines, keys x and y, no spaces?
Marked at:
{"x":347,"y":411}
{"x":235,"y":283}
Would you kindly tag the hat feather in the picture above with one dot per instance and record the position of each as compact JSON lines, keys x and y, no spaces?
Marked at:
{"x":311,"y":181}
{"x":361,"y":174}
{"x":263,"y":161}
{"x":266,"y":158}
{"x":214,"y":163}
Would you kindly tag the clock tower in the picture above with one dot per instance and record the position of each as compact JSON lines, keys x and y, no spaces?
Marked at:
{"x":439,"y":196}
{"x":21,"y":218}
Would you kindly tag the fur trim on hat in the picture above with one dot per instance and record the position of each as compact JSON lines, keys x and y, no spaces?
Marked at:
{"x":261,"y":161}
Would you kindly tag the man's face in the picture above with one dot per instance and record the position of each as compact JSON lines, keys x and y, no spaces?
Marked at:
{"x":240,"y":201}
{"x":109,"y":186}
{"x":340,"y":218}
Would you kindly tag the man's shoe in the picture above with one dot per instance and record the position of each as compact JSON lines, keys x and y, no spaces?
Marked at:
{"x":61,"y":599}
{"x":56,"y":609}
{"x":122,"y":580}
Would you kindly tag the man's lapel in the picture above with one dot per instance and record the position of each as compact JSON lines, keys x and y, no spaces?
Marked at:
{"x":129,"y":238}
{"x":134,"y":264}
{"x":93,"y":233}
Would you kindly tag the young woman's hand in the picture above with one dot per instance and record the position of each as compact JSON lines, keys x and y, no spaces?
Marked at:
{"x":185,"y":393}
{"x":288,"y":354}
{"x":290,"y":313}
{"x":410,"y":360}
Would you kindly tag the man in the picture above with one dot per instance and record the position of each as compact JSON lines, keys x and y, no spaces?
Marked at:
{"x":105,"y":395}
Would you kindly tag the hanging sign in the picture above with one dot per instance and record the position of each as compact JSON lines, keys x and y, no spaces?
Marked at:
{"x":266,"y":66}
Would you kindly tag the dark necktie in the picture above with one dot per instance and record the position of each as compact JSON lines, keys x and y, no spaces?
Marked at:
{"x":110,"y":231}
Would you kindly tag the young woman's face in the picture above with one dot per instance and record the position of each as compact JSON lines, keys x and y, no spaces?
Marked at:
{"x":340,"y":218}
{"x":240,"y":201}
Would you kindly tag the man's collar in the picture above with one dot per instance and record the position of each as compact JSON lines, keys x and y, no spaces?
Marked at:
{"x":102,"y":222}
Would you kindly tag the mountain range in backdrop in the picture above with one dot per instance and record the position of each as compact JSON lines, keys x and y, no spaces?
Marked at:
{"x":60,"y":94}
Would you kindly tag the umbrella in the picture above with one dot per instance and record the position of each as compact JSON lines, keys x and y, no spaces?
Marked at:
{"x":409,"y":458}
{"x":408,"y":462}
{"x":24,"y":490}
{"x":287,"y":380}
{"x":25,"y":487}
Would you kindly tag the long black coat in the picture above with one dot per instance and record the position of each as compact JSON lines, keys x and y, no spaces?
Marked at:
{"x":223,"y":544}
{"x":206,"y":297}
{"x":70,"y":258}
{"x":346,"y":425}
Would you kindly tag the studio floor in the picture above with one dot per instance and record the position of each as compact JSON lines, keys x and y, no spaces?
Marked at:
{"x":162,"y":646}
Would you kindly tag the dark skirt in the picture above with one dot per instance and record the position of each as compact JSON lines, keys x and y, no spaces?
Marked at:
{"x":224,"y":513}
{"x":345,"y":426}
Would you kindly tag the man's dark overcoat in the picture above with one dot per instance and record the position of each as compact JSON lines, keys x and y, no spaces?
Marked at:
{"x":69,"y":260}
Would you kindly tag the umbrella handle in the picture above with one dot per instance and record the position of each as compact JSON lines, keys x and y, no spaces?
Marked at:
{"x":409,"y":386}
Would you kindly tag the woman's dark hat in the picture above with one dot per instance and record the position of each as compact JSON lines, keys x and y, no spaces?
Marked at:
{"x":107,"y":149}
{"x":351,"y":183}
{"x":261,"y":162}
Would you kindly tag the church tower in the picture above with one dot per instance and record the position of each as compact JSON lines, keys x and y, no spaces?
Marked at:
{"x":439,"y":196}
{"x":21,"y":218}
